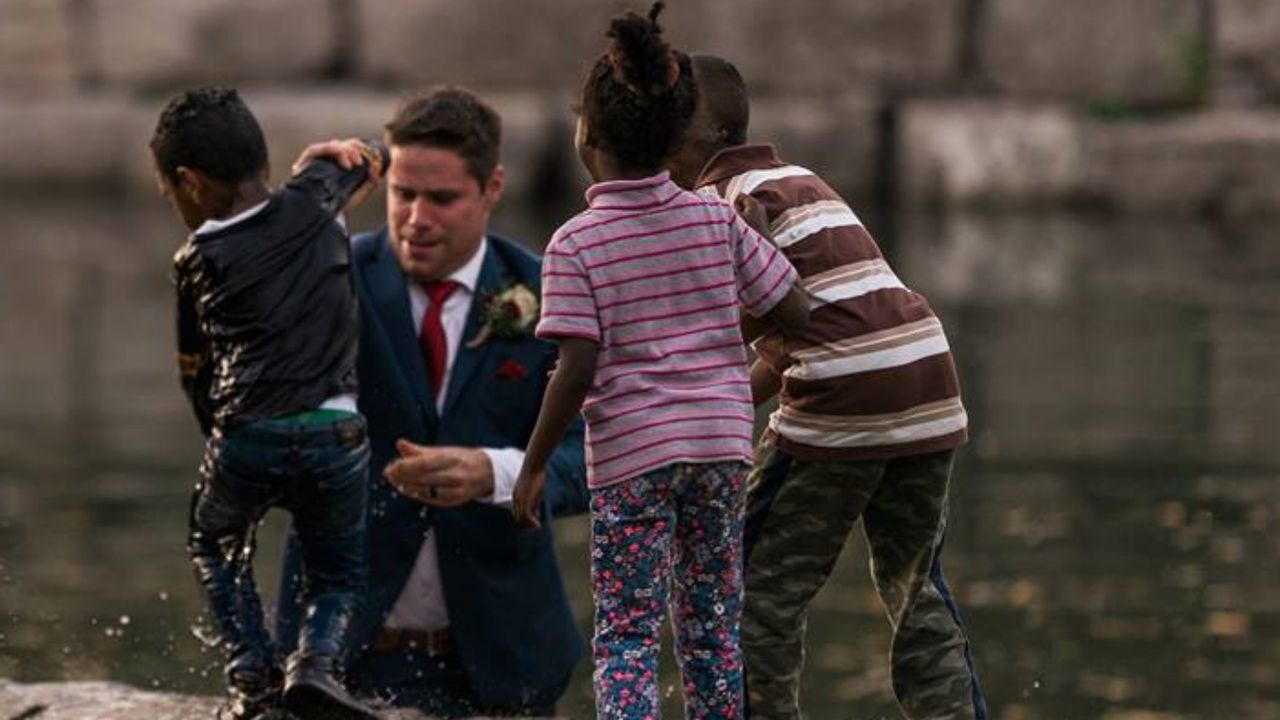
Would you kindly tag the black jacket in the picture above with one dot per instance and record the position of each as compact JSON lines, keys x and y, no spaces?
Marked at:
{"x":267,"y":317}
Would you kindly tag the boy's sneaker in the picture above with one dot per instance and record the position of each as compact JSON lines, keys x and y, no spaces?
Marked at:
{"x":263,"y":707}
{"x":255,"y":684}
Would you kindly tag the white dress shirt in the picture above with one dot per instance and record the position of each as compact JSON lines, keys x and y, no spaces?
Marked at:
{"x":421,"y":603}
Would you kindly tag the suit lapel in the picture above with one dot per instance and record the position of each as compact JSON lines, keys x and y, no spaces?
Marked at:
{"x":389,"y":291}
{"x":492,"y":279}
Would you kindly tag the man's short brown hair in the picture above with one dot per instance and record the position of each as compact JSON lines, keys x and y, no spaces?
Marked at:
{"x":454,"y":119}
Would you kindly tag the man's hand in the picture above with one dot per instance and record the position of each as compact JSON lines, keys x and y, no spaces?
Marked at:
{"x":440,"y":476}
{"x":528,"y":498}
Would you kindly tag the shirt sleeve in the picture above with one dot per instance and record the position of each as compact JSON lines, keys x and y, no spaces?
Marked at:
{"x":194,"y":369}
{"x":764,"y":273}
{"x":506,"y":464}
{"x":568,"y":306}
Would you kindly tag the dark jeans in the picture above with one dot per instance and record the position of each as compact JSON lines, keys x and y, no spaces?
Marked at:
{"x":316,"y":471}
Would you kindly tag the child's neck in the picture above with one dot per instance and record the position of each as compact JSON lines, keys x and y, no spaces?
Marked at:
{"x":609,"y":171}
{"x":241,"y":197}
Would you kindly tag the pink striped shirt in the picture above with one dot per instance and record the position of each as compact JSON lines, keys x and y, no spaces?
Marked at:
{"x":656,"y":275}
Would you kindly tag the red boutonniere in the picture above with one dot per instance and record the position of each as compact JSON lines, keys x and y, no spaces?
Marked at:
{"x":511,"y":370}
{"x":512,"y":313}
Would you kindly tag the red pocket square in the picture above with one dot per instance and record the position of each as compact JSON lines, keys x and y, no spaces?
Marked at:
{"x":511,"y":370}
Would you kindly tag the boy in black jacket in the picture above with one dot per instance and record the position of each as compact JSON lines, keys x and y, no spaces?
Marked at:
{"x":267,"y":339}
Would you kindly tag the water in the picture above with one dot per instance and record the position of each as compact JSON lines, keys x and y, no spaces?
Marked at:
{"x":1113,"y":543}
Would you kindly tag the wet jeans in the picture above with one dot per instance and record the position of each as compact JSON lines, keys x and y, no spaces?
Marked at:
{"x":315,"y":470}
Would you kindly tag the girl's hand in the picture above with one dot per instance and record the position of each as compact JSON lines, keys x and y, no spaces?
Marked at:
{"x":527,"y":498}
{"x":753,"y":212}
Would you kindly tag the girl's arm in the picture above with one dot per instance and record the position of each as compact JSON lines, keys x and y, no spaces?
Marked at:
{"x":570,"y":382}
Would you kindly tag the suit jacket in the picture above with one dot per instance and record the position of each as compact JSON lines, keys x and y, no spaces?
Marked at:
{"x":509,"y":618}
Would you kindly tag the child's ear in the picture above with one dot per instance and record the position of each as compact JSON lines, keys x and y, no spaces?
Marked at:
{"x":190,"y":183}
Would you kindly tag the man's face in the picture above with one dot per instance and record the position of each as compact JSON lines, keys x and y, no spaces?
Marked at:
{"x":437,"y":212}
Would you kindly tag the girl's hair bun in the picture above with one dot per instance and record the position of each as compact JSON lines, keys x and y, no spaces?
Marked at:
{"x":641,"y":58}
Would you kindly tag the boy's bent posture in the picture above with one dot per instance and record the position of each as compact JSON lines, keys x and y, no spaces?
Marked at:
{"x":267,"y":326}
{"x":869,"y":416}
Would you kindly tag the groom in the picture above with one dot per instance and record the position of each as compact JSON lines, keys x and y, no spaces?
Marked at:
{"x":465,"y":613}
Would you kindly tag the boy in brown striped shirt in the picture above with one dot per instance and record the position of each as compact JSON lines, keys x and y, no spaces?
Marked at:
{"x":869,"y":417}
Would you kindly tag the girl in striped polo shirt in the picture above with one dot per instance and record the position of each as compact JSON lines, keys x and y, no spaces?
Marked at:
{"x":643,"y":292}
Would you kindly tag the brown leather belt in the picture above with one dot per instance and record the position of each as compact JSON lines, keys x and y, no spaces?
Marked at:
{"x":432,"y":643}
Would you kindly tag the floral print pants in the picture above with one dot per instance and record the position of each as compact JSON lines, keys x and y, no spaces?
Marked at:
{"x":678,"y":528}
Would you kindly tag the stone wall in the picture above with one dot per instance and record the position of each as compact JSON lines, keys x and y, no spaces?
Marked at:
{"x":948,"y":102}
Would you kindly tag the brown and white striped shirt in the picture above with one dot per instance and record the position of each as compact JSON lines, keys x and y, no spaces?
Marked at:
{"x":872,"y":376}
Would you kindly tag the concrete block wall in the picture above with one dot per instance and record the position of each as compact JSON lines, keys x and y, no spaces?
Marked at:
{"x":1133,"y":104}
{"x":1137,"y":52}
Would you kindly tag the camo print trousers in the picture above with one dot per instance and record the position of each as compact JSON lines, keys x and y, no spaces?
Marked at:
{"x":799,"y":514}
{"x":679,"y":527}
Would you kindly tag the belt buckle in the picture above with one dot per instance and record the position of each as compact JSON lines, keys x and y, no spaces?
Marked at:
{"x":350,"y":433}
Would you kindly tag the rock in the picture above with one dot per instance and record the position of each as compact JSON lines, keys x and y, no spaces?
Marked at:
{"x":112,"y":701}
{"x":480,"y":43}
{"x":801,"y":46}
{"x":839,"y":137}
{"x":150,"y":44}
{"x":1247,"y":52}
{"x":1224,"y":163}
{"x":1136,"y":52}
{"x":818,"y":46}
{"x":968,"y":153}
{"x":37,"y":47}
{"x":99,"y":700}
{"x":982,"y":153}
{"x":66,"y":141}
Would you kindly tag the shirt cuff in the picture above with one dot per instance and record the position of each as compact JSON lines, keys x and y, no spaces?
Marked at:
{"x":506,"y":464}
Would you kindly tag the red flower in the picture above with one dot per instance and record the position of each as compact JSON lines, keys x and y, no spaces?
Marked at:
{"x":511,"y":370}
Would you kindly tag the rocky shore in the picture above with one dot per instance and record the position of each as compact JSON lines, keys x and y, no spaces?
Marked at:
{"x":1140,"y":106}
{"x":111,"y":701}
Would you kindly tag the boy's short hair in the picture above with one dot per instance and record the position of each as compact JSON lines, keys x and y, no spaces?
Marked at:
{"x":211,"y":130}
{"x":725,"y":94}
{"x":454,"y":119}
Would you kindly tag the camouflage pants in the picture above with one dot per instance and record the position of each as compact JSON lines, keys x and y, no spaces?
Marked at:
{"x":799,"y":515}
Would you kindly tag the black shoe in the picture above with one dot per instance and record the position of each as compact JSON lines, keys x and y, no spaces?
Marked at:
{"x":313,"y":693}
{"x":255,"y":684}
{"x":244,"y":707}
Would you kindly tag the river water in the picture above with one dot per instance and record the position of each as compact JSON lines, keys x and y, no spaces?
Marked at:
{"x":1115,"y":526}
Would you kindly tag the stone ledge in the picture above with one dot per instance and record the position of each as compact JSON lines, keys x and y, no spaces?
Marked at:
{"x":1011,"y":155}
{"x":101,"y":142}
{"x":113,"y":701}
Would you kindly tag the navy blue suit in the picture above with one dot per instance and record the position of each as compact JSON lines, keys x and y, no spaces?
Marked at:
{"x":510,"y":622}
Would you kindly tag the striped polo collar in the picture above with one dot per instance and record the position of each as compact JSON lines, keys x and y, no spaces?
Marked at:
{"x":733,"y":161}
{"x":626,"y":194}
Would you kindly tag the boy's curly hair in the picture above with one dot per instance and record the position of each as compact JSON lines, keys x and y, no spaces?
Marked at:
{"x":211,"y":130}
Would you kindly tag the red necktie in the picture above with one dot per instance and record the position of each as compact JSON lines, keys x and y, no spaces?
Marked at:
{"x":434,"y":344}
